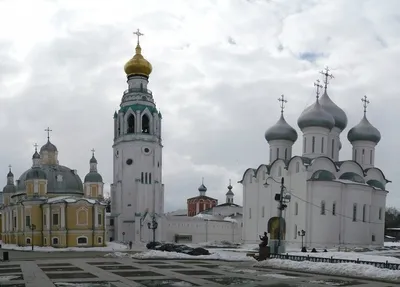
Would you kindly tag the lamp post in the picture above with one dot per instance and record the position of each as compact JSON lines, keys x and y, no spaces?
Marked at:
{"x":33,"y":227}
{"x":302,"y":233}
{"x":153,"y":226}
{"x":282,"y":199}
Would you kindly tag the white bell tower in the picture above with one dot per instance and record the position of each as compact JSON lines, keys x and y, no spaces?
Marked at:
{"x":137,"y":192}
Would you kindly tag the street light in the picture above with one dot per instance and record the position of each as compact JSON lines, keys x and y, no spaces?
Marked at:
{"x":282,"y":198}
{"x":302,"y":233}
{"x":153,"y":225}
{"x":33,"y":227}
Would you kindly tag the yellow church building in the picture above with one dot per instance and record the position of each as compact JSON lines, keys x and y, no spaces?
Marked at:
{"x":50,"y":206}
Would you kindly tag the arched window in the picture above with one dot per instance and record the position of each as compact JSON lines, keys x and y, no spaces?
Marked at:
{"x":295,"y":231}
{"x":296,"y":208}
{"x":380,"y":213}
{"x":370,"y":156}
{"x":322,"y":207}
{"x":145,"y":124}
{"x":364,"y":212}
{"x":322,"y":144}
{"x":82,"y":240}
{"x":119,"y":127}
{"x":131,"y":124}
{"x":55,"y":240}
{"x":313,"y":144}
{"x":270,"y":154}
{"x":355,"y":212}
{"x":333,"y":148}
{"x":285,"y":153}
{"x":355,"y":155}
{"x":304,"y":145}
{"x":28,"y":240}
{"x":297,"y":167}
{"x":363,"y":156}
{"x":334,"y":208}
{"x":145,"y":178}
{"x":277,"y":153}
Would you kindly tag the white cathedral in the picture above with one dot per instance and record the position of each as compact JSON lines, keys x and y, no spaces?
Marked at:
{"x":329,"y":202}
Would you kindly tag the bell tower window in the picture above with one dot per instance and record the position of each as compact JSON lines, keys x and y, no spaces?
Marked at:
{"x":145,"y":124}
{"x":131,"y":124}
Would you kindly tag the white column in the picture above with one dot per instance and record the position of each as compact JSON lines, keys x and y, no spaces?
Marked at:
{"x":62,"y":216}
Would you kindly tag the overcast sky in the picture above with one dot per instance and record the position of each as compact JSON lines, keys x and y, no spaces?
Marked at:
{"x":218,"y":70}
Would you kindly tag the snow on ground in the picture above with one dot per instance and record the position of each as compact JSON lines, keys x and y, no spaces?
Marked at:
{"x":8,"y":278}
{"x":341,"y":269}
{"x":111,"y":246}
{"x":392,"y":244}
{"x":349,"y":256}
{"x":215,"y":255}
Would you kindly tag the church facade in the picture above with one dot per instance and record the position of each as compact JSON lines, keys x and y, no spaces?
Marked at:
{"x":327,"y":202}
{"x":50,"y":206}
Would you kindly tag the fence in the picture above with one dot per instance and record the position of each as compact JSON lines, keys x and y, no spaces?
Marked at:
{"x":385,"y":265}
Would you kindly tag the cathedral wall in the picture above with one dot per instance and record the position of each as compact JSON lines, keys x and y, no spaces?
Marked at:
{"x":202,"y":230}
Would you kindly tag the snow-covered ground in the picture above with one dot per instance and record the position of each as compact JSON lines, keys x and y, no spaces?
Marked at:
{"x":341,"y":269}
{"x":111,"y":246}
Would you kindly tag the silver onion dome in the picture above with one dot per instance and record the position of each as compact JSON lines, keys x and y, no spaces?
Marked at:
{"x":364,"y":131}
{"x":48,"y":147}
{"x":281,"y":131}
{"x":315,"y":116}
{"x":337,"y":113}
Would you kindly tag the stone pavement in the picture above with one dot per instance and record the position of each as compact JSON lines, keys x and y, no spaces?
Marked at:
{"x":120,"y":272}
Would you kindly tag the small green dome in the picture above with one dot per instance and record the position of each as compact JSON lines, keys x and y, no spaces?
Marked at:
{"x":93,"y":177}
{"x":376,"y":183}
{"x":352,"y":177}
{"x":323,"y":175}
{"x":36,"y":173}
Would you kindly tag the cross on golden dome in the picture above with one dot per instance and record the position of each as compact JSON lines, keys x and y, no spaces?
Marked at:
{"x":138,"y":65}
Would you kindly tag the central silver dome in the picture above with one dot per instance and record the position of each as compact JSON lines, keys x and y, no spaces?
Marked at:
{"x":315,"y":116}
{"x":364,"y":131}
{"x":60,"y":179}
{"x":337,"y":113}
{"x":281,"y":131}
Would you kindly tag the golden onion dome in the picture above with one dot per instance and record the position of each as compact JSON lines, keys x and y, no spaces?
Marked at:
{"x":138,"y":65}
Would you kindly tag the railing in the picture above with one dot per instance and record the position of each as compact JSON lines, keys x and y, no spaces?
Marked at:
{"x":138,"y":90}
{"x":385,"y":265}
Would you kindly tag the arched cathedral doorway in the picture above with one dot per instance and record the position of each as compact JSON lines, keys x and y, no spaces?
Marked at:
{"x":273,"y":228}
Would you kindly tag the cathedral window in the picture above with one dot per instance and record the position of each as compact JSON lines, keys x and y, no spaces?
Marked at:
{"x":145,"y":124}
{"x":355,"y":212}
{"x":149,"y":177}
{"x":142,"y":178}
{"x":270,"y":154}
{"x":380,"y":213}
{"x":373,"y":238}
{"x":285,"y":153}
{"x":370,"y":156}
{"x":362,"y":156}
{"x":112,"y":222}
{"x":28,"y":220}
{"x":323,"y":207}
{"x":313,"y":145}
{"x":304,"y":145}
{"x":99,"y":240}
{"x":355,"y":155}
{"x":250,"y":213}
{"x":145,"y":178}
{"x":28,"y":240}
{"x":82,"y":240}
{"x":334,"y":208}
{"x":296,"y":208}
{"x":131,"y":124}
{"x":262,"y":211}
{"x":295,"y":231}
{"x":55,"y":240}
{"x":55,"y":219}
{"x":297,"y":167}
{"x":119,"y":128}
{"x":322,"y":144}
{"x":277,"y":153}
{"x":364,"y":212}
{"x":99,"y":219}
{"x":333,"y":148}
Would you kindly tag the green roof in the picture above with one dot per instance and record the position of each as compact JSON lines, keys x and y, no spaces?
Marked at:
{"x":323,"y":175}
{"x":138,"y":107}
{"x":376,"y":183}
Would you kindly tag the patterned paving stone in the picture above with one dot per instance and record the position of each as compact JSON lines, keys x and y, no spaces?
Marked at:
{"x":62,"y":268}
{"x":84,"y":284}
{"x":117,"y":267}
{"x":196,"y":272}
{"x":77,"y":275}
{"x":140,"y":273}
{"x":104,"y":263}
{"x":12,"y":285}
{"x":10,"y":266}
{"x":11,"y":270}
{"x":150,"y":262}
{"x":65,"y":264}
{"x":169,"y":266}
{"x":165,"y":283}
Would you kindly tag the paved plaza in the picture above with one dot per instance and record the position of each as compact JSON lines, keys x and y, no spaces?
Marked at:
{"x":119,"y":272}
